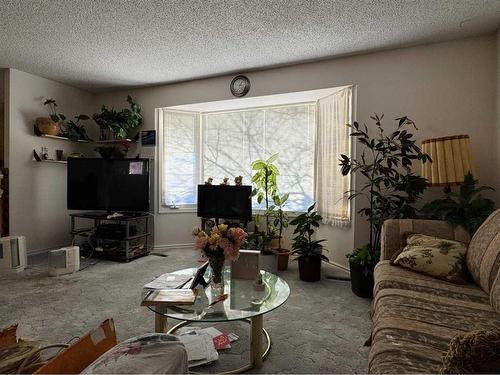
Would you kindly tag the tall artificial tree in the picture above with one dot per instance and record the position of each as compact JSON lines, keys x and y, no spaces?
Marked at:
{"x":389,"y":185}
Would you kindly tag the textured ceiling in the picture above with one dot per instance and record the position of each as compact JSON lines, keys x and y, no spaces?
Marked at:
{"x":98,"y":44}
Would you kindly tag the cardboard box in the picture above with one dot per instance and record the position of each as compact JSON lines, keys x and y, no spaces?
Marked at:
{"x":80,"y":354}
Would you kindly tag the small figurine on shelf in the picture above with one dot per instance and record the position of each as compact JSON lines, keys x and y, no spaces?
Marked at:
{"x":209,"y":181}
{"x":238,"y":181}
{"x":45,"y":153}
{"x":225,"y":181}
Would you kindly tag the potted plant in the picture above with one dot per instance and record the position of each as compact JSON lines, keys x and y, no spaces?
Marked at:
{"x":466,"y":208}
{"x":280,"y":222}
{"x":50,"y":125}
{"x":118,"y":124}
{"x":75,"y":131}
{"x":265,"y":188}
{"x":389,"y":187}
{"x":309,"y":251}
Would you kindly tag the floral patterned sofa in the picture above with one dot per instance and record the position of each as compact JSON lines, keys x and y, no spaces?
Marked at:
{"x":415,"y":316}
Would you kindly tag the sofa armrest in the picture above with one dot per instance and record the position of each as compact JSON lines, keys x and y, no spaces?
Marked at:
{"x":394,"y":232}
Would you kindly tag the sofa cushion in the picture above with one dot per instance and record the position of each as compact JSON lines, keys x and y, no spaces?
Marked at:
{"x":392,"y":277}
{"x":473,"y":352}
{"x":415,"y":316}
{"x":395,"y":231}
{"x":434,"y":256}
{"x":495,"y":294}
{"x":483,"y":255}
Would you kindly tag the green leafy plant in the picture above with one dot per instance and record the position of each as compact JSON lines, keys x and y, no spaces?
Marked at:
{"x":303,"y":244}
{"x":365,"y":257}
{"x":466,"y":208}
{"x":265,"y":189}
{"x":280,"y":221}
{"x":119,"y":122}
{"x":53,"y":114}
{"x":76,"y":131}
{"x":389,"y":186}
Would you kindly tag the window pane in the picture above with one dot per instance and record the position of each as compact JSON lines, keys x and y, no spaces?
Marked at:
{"x":180,"y":158}
{"x":290,"y":132}
{"x":232,"y":140}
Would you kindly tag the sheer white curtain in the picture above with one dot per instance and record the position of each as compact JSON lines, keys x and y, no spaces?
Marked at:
{"x":332,"y":139}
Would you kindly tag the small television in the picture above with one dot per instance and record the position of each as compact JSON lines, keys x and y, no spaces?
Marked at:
{"x":108,"y":184}
{"x":226,"y":202}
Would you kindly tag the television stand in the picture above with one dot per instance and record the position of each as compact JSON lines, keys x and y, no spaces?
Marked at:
{"x":117,"y":237}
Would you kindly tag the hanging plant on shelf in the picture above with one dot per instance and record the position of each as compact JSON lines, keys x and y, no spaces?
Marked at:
{"x":75,"y":131}
{"x":118,"y":123}
{"x":50,"y":125}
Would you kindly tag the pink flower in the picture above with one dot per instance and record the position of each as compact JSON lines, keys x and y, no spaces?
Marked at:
{"x":201,"y":242}
{"x":237,"y":236}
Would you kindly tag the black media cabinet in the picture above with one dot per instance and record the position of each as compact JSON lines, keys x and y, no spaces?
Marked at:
{"x":122,"y":238}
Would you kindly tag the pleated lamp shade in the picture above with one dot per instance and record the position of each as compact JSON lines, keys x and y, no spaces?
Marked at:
{"x":451,"y":160}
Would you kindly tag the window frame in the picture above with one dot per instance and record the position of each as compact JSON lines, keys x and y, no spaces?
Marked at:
{"x":160,"y":118}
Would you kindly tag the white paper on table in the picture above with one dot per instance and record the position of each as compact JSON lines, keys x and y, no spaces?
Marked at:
{"x":200,"y":348}
{"x":195,"y":347}
{"x":167,"y":281}
{"x":211,"y":331}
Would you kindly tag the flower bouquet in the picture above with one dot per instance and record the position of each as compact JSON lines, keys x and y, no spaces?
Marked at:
{"x":219,"y":244}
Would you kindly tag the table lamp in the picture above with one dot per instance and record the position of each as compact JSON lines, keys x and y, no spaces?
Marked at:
{"x":451,"y":160}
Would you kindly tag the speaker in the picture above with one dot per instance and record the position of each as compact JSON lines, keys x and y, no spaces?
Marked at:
{"x":64,"y":261}
{"x":13,"y":253}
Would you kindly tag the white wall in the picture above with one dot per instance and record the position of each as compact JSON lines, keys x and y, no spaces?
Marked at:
{"x":447,"y":88}
{"x":38,"y":190}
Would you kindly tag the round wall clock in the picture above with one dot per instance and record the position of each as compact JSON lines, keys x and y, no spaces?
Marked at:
{"x":240,"y":85}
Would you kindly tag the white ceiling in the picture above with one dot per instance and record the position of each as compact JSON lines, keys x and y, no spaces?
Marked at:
{"x":98,"y":44}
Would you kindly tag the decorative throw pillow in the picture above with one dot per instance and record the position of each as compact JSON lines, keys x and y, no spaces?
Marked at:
{"x":437,"y":257}
{"x":473,"y":352}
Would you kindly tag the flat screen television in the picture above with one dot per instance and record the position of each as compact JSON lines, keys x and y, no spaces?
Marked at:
{"x":228,"y":202}
{"x":109,"y":185}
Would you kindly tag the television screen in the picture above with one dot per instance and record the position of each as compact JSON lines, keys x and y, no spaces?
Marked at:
{"x":111,"y":185}
{"x":227,"y":202}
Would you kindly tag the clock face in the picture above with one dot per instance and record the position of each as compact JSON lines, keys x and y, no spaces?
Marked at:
{"x":240,"y":85}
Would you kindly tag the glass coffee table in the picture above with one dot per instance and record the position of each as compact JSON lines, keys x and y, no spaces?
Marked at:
{"x":244,"y":303}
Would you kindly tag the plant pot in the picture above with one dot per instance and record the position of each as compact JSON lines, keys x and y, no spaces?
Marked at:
{"x":111,"y":152}
{"x":361,"y":283}
{"x":274,"y":244}
{"x":46,"y":126}
{"x":283,"y":258}
{"x":268,"y":263}
{"x":310,"y":269}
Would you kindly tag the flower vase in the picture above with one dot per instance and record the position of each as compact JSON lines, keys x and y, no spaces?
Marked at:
{"x":217,"y":280}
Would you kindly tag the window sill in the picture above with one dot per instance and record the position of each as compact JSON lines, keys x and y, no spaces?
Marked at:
{"x":181,"y":210}
{"x":192,"y":210}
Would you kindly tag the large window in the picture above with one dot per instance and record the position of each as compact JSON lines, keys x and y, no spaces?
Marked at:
{"x":232,"y":140}
{"x":308,"y":136}
{"x":223,"y":144}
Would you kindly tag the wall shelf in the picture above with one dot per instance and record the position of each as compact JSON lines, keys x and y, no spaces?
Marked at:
{"x":52,"y":161}
{"x":110,"y":141}
{"x":62,"y":138}
{"x":115,"y":141}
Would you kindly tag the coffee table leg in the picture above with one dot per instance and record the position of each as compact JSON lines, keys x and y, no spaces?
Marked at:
{"x":256,"y":341}
{"x":161,"y":325}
